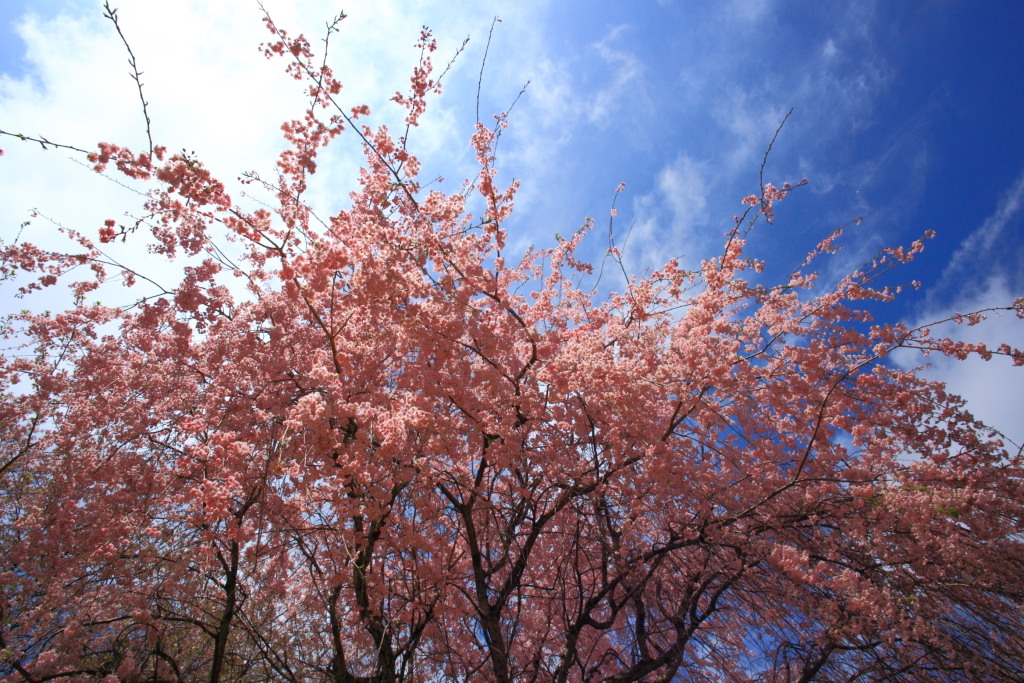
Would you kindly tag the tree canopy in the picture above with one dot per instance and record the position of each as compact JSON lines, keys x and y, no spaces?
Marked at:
{"x":395,"y":453}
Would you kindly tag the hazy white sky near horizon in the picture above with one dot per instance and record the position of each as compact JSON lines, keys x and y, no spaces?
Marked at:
{"x":906,"y":115}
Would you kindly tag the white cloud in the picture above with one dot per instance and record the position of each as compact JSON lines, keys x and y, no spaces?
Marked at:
{"x":961,"y":273}
{"x":994,"y":390}
{"x":749,"y":10}
{"x":683,"y":189}
{"x":672,"y":220}
{"x":625,"y":85}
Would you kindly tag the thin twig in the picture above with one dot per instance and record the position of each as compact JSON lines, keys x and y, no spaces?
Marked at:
{"x":626,"y":240}
{"x":253,"y":175}
{"x":110,"y":178}
{"x":111,"y":13}
{"x":437,"y":84}
{"x":611,"y":237}
{"x":760,"y":182}
{"x":497,"y":124}
{"x":332,"y":27}
{"x":480,"y":80}
{"x":451,"y":62}
{"x":760,"y":173}
{"x":44,"y":143}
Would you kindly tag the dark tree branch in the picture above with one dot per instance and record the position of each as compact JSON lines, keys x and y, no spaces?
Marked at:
{"x":43,"y":142}
{"x":111,"y":13}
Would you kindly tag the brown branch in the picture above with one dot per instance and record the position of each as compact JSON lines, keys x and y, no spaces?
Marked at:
{"x":760,"y":173}
{"x":43,"y":142}
{"x":111,"y":13}
{"x":483,"y":62}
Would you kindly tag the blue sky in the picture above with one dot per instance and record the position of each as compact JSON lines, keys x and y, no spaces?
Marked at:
{"x":905,"y":113}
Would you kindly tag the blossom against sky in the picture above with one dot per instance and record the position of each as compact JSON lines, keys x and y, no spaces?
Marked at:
{"x":905,"y":114}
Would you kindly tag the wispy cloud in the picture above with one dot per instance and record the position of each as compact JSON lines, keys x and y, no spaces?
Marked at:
{"x":623,"y":87}
{"x":994,"y":393}
{"x":983,"y":246}
{"x":671,"y":220}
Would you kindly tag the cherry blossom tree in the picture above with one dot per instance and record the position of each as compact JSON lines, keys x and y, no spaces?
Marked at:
{"x":394,"y":454}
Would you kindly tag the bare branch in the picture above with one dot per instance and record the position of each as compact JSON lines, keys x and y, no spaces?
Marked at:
{"x":43,"y":142}
{"x":760,"y":173}
{"x":483,"y":62}
{"x":111,"y":13}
